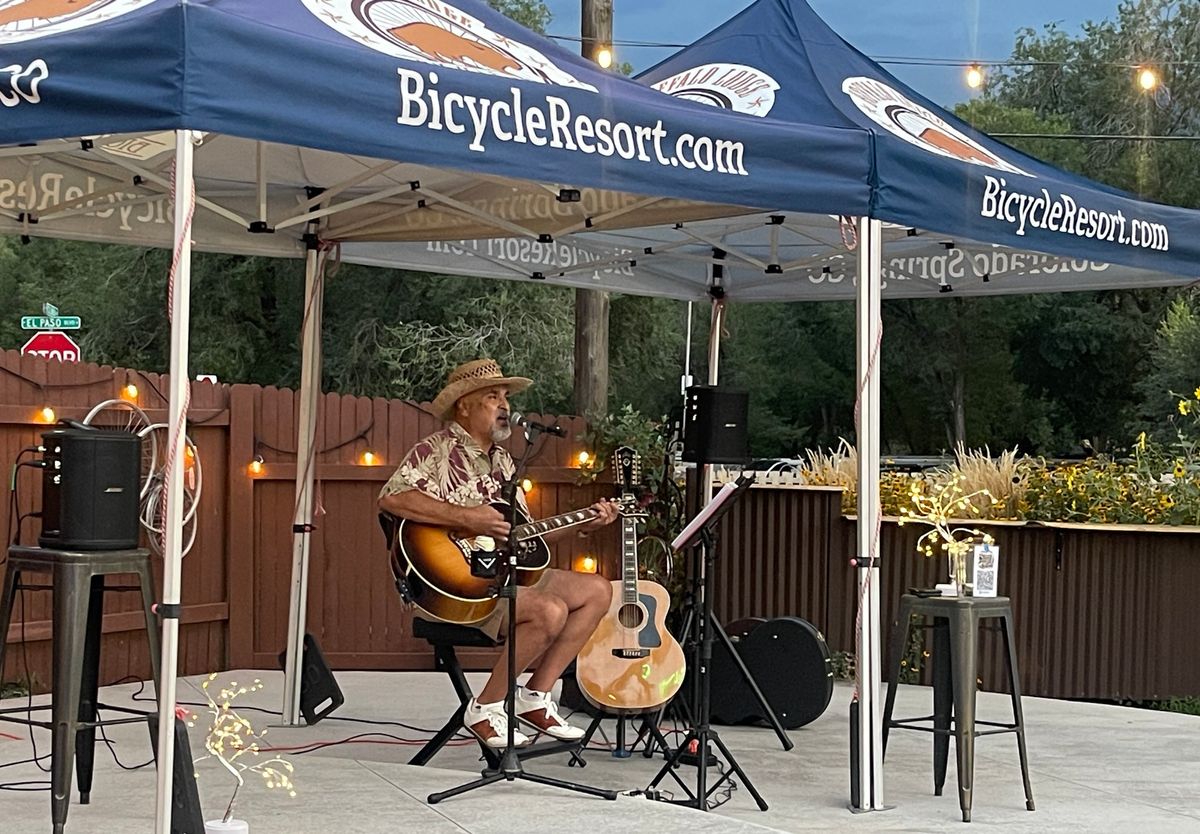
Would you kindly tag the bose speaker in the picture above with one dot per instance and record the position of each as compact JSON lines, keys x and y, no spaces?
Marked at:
{"x":90,"y":486}
{"x":714,"y":425}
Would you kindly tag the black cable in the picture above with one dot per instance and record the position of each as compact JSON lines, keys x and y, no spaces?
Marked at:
{"x":112,"y":748}
{"x":368,"y":721}
{"x":29,"y":688}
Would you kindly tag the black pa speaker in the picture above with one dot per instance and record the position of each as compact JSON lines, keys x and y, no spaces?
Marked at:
{"x":186,"y":815}
{"x":90,"y":486}
{"x":714,"y":425}
{"x":319,"y":690}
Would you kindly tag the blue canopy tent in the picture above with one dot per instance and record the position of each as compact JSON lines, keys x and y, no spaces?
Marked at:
{"x":252,"y":125}
{"x":932,"y":173}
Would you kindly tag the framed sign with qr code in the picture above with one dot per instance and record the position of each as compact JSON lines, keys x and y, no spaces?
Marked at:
{"x":987,"y":566}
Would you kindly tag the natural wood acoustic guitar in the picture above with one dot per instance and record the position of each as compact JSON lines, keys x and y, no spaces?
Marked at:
{"x":631,"y":663}
{"x":435,"y":563}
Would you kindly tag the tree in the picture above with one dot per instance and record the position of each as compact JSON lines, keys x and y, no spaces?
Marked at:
{"x":1089,"y":81}
{"x":1174,"y":367}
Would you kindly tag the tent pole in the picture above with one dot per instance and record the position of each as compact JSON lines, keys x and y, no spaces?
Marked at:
{"x":310,"y":391}
{"x":868,"y":629}
{"x":179,"y":292}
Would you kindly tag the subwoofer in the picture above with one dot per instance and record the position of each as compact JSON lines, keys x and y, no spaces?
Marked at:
{"x":90,"y":486}
{"x":714,"y":422}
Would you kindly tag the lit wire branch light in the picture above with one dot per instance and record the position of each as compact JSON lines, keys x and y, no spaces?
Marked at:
{"x":939,"y":508}
{"x":235,"y":744}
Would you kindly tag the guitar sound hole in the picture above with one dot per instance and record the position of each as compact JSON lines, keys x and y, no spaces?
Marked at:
{"x":630,"y":616}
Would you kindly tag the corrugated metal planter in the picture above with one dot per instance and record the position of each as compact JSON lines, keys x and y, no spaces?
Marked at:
{"x":1102,"y":611}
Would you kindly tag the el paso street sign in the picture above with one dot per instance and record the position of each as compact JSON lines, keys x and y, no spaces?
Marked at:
{"x":52,"y":344}
{"x":50,"y":322}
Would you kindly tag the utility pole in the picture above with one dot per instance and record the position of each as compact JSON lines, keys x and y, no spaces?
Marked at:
{"x":591,"y":306}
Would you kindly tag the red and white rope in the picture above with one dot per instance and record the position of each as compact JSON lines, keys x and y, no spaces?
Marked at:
{"x":865,"y":589}
{"x":178,"y":432}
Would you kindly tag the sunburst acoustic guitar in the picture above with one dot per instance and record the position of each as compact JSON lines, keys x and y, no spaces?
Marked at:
{"x":631,"y":663}
{"x":435,"y":563}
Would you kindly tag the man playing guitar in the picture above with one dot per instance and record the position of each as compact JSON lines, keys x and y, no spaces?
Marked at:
{"x":450,"y":479}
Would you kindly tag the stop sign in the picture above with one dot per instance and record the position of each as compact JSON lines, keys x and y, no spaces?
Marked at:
{"x":52,"y":344}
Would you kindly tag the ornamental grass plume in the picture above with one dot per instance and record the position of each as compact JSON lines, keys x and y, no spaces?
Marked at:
{"x":235,"y":744}
{"x":1004,"y":479}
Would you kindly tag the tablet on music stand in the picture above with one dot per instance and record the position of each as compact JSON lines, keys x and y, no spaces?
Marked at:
{"x":713,"y":511}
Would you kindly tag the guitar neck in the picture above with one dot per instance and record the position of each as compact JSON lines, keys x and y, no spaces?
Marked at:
{"x":557,"y":522}
{"x":629,"y":563}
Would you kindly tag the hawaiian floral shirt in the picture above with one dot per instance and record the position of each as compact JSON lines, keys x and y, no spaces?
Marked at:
{"x":450,"y":466}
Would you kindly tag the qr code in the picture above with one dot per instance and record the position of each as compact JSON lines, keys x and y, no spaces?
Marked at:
{"x":985,"y":582}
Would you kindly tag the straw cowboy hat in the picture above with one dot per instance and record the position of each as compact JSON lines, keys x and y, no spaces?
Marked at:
{"x":472,"y":376}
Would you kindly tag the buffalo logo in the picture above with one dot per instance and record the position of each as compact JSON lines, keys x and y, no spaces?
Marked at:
{"x":918,"y":125}
{"x":434,"y":32}
{"x":735,"y":87}
{"x":22,"y":20}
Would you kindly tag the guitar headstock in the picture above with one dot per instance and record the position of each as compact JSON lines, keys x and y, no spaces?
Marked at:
{"x":627,"y":472}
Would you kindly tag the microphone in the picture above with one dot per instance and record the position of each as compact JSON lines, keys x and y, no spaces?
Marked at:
{"x":521,"y":420}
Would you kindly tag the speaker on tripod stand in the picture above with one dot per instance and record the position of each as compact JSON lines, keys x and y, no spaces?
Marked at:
{"x":715,"y":425}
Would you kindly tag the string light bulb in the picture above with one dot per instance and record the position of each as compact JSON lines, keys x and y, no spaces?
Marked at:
{"x":47,"y":414}
{"x":604,"y":57}
{"x":527,"y":485}
{"x":974,"y":76}
{"x":583,"y":458}
{"x":585,"y":564}
{"x":129,"y":392}
{"x":256,"y":465}
{"x":1147,"y":78}
{"x":369,"y":458}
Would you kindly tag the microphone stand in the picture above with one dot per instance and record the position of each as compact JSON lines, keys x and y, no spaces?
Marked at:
{"x":510,"y":768}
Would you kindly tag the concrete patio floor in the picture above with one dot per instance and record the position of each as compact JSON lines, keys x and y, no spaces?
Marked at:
{"x":1094,"y":768}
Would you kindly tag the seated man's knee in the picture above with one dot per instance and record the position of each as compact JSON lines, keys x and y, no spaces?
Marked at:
{"x":599,"y":590}
{"x":545,"y":612}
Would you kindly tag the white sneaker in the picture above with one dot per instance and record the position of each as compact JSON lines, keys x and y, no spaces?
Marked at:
{"x":538,"y":710}
{"x":489,"y":724}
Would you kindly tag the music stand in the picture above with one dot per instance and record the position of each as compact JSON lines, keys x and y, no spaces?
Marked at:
{"x":701,"y":532}
{"x":510,"y":769}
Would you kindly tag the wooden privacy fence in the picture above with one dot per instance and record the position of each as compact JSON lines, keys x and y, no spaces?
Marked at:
{"x":235,"y":582}
{"x":1101,"y":612}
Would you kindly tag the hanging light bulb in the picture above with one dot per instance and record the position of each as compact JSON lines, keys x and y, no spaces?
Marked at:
{"x":369,"y":458}
{"x":527,"y":485}
{"x":256,"y":465}
{"x":583,"y":458}
{"x":47,"y":414}
{"x":1147,"y":78}
{"x":585,"y":564}
{"x":129,"y":392}
{"x":975,"y":76}
{"x":604,"y":56}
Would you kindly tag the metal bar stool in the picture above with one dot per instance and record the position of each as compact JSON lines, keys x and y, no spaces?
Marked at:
{"x":79,"y":586}
{"x":445,"y":638}
{"x":955,"y":663}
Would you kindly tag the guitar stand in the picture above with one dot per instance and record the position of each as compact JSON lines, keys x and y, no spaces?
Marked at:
{"x":701,"y":738}
{"x":509,"y":768}
{"x":648,"y":733}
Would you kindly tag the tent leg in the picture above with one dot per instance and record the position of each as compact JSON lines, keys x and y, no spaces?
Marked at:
{"x":179,"y":294}
{"x":310,"y":391}
{"x":869,"y":339}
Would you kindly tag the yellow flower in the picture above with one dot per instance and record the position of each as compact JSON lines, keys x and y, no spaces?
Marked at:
{"x":1185,"y":407}
{"x":1141,"y":441}
{"x":1179,"y":470}
{"x":1196,"y":393}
